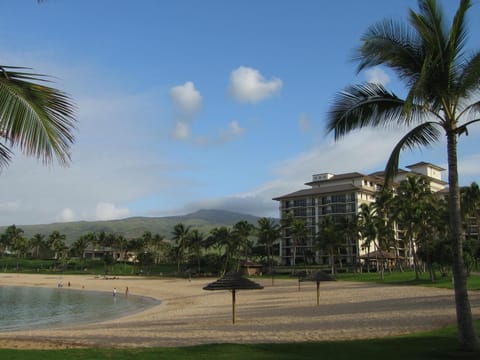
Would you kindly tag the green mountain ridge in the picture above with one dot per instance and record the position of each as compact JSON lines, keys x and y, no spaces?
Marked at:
{"x":132,"y":227}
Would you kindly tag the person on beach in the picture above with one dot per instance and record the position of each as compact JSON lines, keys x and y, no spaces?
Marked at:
{"x":114,"y":292}
{"x":126,"y":291}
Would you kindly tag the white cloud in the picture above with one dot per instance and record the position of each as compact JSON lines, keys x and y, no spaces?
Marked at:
{"x":248,"y":85}
{"x":182,"y":131}
{"x":187,"y":102}
{"x":108,"y":211}
{"x":186,"y":99}
{"x":66,"y":215}
{"x":235,"y":128}
{"x":377,"y":75}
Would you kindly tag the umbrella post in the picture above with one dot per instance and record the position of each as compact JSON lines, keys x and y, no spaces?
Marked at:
{"x":233,"y":306}
{"x":318,"y":292}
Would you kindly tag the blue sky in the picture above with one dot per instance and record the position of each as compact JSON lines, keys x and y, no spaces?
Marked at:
{"x":184,"y":105}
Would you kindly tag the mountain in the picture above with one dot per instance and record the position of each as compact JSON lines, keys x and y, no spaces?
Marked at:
{"x":203,"y":220}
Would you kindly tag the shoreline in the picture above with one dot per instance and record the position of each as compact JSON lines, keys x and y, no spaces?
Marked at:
{"x":189,"y":315}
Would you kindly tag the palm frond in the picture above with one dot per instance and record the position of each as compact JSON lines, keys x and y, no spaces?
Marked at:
{"x":393,"y":44}
{"x":423,"y":135}
{"x":36,"y":118}
{"x":365,"y":105}
{"x":468,"y":80}
{"x":458,"y":31}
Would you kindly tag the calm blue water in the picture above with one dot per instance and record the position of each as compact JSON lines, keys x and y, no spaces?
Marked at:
{"x":34,"y":307}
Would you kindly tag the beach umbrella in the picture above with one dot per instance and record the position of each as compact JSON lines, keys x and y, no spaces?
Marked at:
{"x":233,"y":281}
{"x":317,"y":277}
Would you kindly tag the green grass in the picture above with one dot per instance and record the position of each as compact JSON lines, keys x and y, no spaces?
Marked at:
{"x":438,"y":344}
{"x":408,"y":278}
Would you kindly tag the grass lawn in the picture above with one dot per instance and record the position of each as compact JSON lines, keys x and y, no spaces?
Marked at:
{"x":408,"y":278}
{"x":439,"y":344}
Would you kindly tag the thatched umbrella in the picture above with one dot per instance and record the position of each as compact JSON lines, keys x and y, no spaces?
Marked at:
{"x":233,"y":281}
{"x":317,"y":277}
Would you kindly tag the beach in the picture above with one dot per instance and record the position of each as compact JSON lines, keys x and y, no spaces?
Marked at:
{"x":189,"y":315}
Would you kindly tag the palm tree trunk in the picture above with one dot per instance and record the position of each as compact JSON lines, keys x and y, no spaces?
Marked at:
{"x":466,"y":330}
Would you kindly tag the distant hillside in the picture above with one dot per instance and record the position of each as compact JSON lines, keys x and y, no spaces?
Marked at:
{"x":204,"y":220}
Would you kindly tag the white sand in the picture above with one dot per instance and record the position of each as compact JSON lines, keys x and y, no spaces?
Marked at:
{"x":189,"y":315}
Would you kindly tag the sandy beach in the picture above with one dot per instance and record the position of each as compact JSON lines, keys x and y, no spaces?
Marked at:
{"x":189,"y":315}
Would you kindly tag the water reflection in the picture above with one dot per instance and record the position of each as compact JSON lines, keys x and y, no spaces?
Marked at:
{"x":32,"y":308}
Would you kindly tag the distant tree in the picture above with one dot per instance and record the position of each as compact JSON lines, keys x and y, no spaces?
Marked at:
{"x":268,"y":232}
{"x":243,"y":230}
{"x":196,"y":242}
{"x":37,"y":244}
{"x":180,"y":236}
{"x":9,"y":237}
{"x":329,"y":239}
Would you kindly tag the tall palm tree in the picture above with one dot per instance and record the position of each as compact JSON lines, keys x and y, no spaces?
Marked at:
{"x":413,"y":195}
{"x":37,"y":242}
{"x":196,"y":241}
{"x":441,"y":79}
{"x":180,"y":235}
{"x":268,"y":231}
{"x":243,"y":229}
{"x":33,"y":117}
{"x":329,"y":239}
{"x":366,"y":221}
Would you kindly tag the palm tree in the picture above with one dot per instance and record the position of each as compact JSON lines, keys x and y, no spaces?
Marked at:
{"x":413,"y":195}
{"x":36,"y":118}
{"x":180,"y":235}
{"x":366,"y":226}
{"x":243,"y":229}
{"x":298,"y":231}
{"x":329,"y":238}
{"x":268,"y":232}
{"x":441,"y":78}
{"x":37,"y":242}
{"x":196,"y":242}
{"x":10,"y":236}
{"x":80,"y":245}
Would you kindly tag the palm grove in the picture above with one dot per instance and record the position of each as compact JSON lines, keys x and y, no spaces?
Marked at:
{"x":442,"y":82}
{"x":192,"y":251}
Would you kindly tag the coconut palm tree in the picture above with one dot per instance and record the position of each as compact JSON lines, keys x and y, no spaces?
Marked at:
{"x":441,"y":78}
{"x":268,"y":231}
{"x":196,"y":241}
{"x":37,"y":242}
{"x":37,"y":119}
{"x":413,"y":195}
{"x":330,"y":237}
{"x":243,"y":230}
{"x":180,"y":236}
{"x":366,"y":221}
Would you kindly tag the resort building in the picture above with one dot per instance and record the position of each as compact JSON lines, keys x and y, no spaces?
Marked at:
{"x":340,"y":196}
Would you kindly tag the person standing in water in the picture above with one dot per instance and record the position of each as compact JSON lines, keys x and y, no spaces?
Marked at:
{"x":114,"y":292}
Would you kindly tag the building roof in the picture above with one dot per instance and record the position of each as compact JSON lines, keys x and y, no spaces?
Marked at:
{"x":322,"y":191}
{"x":350,"y":175}
{"x":422,"y":163}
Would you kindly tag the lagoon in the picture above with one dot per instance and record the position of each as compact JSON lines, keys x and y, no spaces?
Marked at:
{"x":25,"y":308}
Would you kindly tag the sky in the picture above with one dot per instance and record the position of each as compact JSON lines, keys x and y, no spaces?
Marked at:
{"x":186,"y":105}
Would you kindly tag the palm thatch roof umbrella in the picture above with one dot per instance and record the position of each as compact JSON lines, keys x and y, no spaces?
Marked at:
{"x":233,"y":281}
{"x":317,"y":277}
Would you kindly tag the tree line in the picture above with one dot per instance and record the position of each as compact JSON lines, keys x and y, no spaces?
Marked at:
{"x":221,"y":249}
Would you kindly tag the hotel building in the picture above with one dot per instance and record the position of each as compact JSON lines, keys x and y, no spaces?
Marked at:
{"x":340,"y":195}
